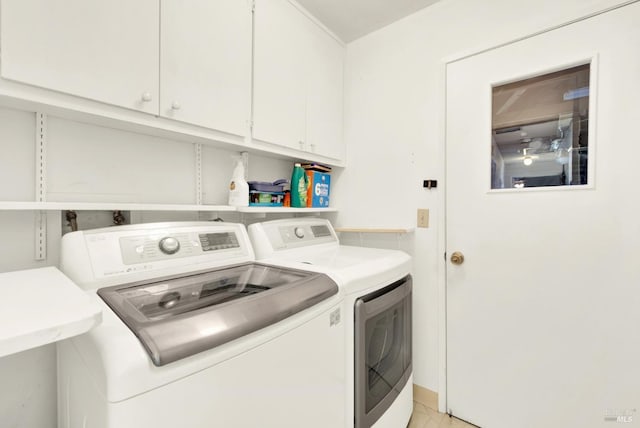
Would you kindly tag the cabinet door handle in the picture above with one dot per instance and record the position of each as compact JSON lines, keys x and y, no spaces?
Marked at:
{"x":301,"y":143}
{"x":312,"y":147}
{"x":146,"y":97}
{"x":176,"y":105}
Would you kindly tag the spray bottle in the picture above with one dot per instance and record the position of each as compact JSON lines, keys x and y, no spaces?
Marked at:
{"x":238,"y":187}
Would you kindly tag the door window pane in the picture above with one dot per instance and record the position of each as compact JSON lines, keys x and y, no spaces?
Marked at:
{"x":540,"y":130}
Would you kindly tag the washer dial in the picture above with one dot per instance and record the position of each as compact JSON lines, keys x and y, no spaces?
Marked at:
{"x":169,"y":245}
{"x":299,"y":232}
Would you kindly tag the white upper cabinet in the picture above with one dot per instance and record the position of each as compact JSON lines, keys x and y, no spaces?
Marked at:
{"x":205,"y":63}
{"x":209,"y":63}
{"x":101,"y":50}
{"x":279,"y":79}
{"x":324,"y":112}
{"x":298,"y":81}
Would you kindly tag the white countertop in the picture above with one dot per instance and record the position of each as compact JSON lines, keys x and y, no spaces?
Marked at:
{"x":41,"y":306}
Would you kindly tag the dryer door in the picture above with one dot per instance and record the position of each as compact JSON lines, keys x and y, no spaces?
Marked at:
{"x":382,"y":349}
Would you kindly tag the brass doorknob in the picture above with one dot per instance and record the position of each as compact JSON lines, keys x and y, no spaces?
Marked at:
{"x":457,"y":258}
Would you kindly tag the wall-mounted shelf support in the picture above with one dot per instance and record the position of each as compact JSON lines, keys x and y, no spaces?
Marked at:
{"x":40,"y":236}
{"x":245,"y":163}
{"x":198,"y":159}
{"x":41,"y":186}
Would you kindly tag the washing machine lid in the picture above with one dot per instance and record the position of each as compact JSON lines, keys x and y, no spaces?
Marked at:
{"x":178,"y":317}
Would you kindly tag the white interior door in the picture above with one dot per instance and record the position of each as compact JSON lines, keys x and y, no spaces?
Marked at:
{"x":543,"y":314}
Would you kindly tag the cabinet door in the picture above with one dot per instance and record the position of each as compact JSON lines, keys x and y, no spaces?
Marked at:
{"x":279,"y":73}
{"x":205,"y":63}
{"x":325,"y":69}
{"x":102,"y":50}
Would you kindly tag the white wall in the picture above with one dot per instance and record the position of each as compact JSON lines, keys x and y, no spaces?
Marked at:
{"x":394,"y":114}
{"x":393,"y":126}
{"x":92,"y":164}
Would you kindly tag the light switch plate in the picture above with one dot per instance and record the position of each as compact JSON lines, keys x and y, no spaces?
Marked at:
{"x":423,"y":217}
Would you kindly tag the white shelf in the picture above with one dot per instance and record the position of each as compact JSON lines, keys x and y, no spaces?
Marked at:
{"x":108,"y":206}
{"x":283,"y":210}
{"x":42,"y":306}
{"x":111,"y":206}
{"x":374,"y":230}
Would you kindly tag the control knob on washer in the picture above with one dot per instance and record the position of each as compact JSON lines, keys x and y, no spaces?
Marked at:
{"x":299,"y":231}
{"x":169,"y":245}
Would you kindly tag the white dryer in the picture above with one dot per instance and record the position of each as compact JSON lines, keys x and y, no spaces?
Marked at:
{"x":377,"y":286}
{"x":196,"y":334}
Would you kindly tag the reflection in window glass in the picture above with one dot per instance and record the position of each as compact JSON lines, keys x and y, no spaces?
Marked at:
{"x":540,"y":131}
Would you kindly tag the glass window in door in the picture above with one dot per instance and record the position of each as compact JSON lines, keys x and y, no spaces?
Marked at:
{"x":540,"y":130}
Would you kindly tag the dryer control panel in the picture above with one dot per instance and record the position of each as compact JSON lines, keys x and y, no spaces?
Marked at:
{"x":305,"y":233}
{"x":278,"y":235}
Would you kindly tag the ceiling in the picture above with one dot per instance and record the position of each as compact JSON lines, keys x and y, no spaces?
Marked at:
{"x":351,"y":19}
{"x":524,"y":140}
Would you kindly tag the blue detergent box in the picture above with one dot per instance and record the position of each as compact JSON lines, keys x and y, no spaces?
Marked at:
{"x":318,"y":190}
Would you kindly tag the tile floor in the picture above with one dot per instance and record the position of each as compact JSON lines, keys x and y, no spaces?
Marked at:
{"x":425,"y":417}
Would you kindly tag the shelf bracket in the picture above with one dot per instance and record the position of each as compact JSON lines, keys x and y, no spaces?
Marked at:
{"x":198,"y":159}
{"x":41,"y":236}
{"x":41,"y":186}
{"x":245,"y":163}
{"x":41,"y":157}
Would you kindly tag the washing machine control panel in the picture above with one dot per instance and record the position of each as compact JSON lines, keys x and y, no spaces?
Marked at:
{"x":144,"y":248}
{"x":139,"y":250}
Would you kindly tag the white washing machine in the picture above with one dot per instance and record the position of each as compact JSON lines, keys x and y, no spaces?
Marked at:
{"x":377,"y":286}
{"x":196,"y":334}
